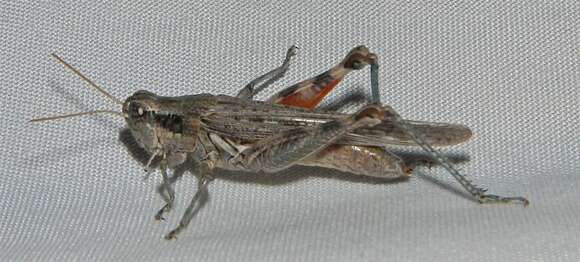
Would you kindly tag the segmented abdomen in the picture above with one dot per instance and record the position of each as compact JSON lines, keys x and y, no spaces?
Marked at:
{"x":360,"y":160}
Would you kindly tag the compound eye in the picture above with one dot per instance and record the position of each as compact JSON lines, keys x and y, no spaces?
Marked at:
{"x":137,"y":110}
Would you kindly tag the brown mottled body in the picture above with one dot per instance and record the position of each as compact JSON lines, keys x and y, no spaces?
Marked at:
{"x":236,"y":124}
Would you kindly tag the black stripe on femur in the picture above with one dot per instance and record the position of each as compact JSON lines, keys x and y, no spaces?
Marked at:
{"x":173,"y":123}
{"x":288,"y":91}
{"x":323,"y":79}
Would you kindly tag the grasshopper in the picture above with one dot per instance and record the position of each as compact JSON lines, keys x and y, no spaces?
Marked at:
{"x":240,"y":133}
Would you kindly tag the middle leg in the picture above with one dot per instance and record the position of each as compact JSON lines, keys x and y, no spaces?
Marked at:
{"x":200,"y":198}
{"x":166,"y":191}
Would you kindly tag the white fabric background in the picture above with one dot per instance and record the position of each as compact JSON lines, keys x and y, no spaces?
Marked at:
{"x":508,"y":69}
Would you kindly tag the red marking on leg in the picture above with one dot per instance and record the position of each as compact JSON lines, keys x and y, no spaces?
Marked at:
{"x":298,"y":100}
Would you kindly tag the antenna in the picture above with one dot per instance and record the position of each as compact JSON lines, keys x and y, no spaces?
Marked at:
{"x":86,"y":79}
{"x":76,"y":114}
{"x":92,"y":84}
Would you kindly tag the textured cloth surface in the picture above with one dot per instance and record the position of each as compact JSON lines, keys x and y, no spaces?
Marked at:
{"x":508,"y":69}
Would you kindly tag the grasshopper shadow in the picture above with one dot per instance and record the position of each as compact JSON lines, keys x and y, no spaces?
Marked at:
{"x":356,"y":97}
{"x":56,"y":153}
{"x":73,"y":99}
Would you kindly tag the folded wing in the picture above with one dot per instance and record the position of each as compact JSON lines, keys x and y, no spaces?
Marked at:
{"x":436,"y":134}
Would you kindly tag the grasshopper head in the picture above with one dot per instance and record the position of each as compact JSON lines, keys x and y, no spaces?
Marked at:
{"x":140,"y":111}
{"x":159,"y":124}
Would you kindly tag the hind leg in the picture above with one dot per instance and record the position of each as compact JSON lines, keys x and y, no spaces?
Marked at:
{"x":477,"y":192}
{"x":252,"y":88}
{"x":310,"y":92}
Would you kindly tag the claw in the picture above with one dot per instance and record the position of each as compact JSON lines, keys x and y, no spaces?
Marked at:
{"x":293,"y":48}
{"x":146,"y":177}
{"x":159,"y":215}
{"x":407,"y":170}
{"x":159,"y":218}
{"x":171,"y":235}
{"x":493,"y":199}
{"x":291,"y":52}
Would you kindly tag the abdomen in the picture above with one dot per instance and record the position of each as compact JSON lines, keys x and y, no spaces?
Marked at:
{"x":360,"y":160}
